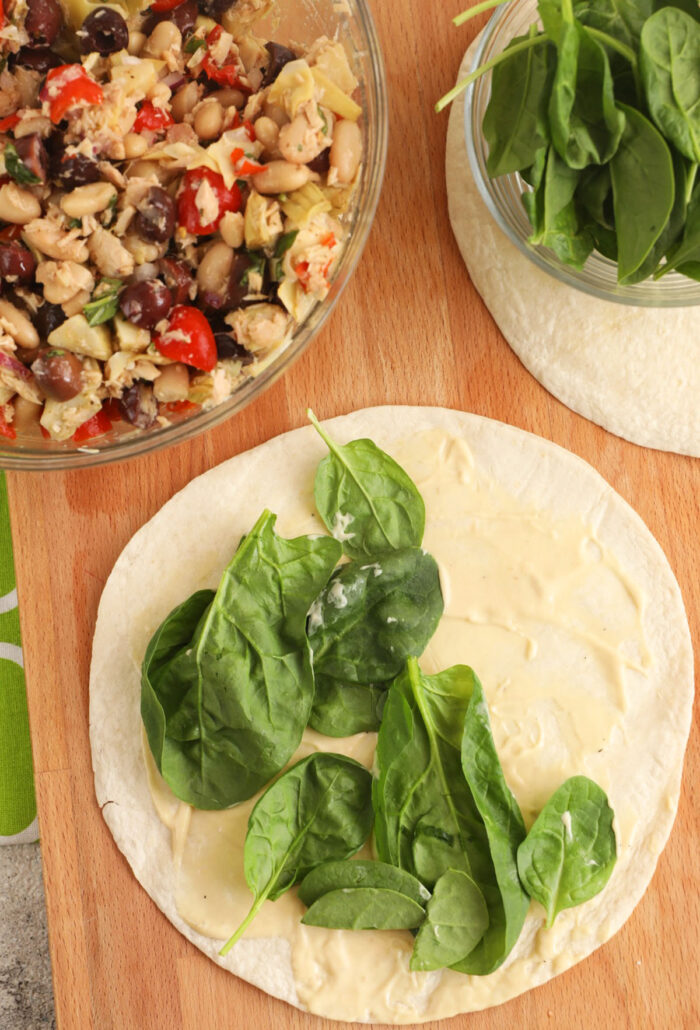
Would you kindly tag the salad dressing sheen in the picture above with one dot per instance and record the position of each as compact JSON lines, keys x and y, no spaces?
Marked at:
{"x":553,"y":628}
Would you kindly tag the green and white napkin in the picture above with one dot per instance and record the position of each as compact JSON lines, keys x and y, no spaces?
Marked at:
{"x":17,"y":801}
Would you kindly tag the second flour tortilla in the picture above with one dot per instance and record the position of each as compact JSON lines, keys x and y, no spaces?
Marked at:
{"x":633,"y":371}
{"x":185,"y":547}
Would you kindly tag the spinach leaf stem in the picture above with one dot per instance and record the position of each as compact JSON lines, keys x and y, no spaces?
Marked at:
{"x":623,"y":50}
{"x":472,"y":12}
{"x":516,"y":48}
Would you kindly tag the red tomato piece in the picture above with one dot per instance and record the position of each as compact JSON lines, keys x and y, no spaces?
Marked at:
{"x":152,"y":118}
{"x":6,"y":428}
{"x":95,"y":426}
{"x":245,"y":165}
{"x":189,"y":215}
{"x":166,"y":5}
{"x":178,"y":407}
{"x":224,"y":75}
{"x":112,"y":409}
{"x":8,"y":123}
{"x":302,"y":271}
{"x":188,"y":338}
{"x":69,"y":86}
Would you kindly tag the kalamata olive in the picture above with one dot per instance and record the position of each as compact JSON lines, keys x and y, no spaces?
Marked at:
{"x":155,"y":219}
{"x":228,"y":347}
{"x":77,"y":170}
{"x":31,"y":150}
{"x":215,"y":8}
{"x":279,"y":56}
{"x":17,"y":263}
{"x":146,"y":303}
{"x":57,"y":373}
{"x":321,"y":163}
{"x":48,"y":318}
{"x":183,"y":17}
{"x":38,"y":59}
{"x":104,"y":32}
{"x":139,"y":405}
{"x":43,"y":20}
{"x":178,"y":278}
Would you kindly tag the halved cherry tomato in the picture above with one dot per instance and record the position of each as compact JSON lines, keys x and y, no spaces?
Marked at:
{"x":6,"y":428}
{"x":243,"y":165}
{"x":189,"y":215}
{"x":152,"y":118}
{"x":227,"y":74}
{"x":188,"y":338}
{"x":166,"y":5}
{"x":69,"y":86}
{"x":10,"y":232}
{"x":112,"y":409}
{"x":8,"y":123}
{"x":95,"y":426}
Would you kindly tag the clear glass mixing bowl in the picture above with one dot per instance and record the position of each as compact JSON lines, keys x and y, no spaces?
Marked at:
{"x":502,"y":195}
{"x":293,"y":22}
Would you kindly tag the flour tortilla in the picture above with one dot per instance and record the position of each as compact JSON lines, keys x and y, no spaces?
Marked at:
{"x":188,"y":543}
{"x":633,"y":371}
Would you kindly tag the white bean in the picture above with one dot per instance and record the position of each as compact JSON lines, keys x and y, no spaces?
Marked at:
{"x":267,"y":132}
{"x":232,"y":229}
{"x":137,"y":41}
{"x":89,"y":199}
{"x":17,"y":325}
{"x":134,"y":145}
{"x":214,"y":268}
{"x":165,"y":38}
{"x":185,"y":100}
{"x":209,"y":119}
{"x":281,"y":177}
{"x":346,"y":150}
{"x":18,"y":205}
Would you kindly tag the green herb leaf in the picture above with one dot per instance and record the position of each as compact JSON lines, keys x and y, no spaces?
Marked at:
{"x":570,"y":851}
{"x":226,"y":685}
{"x":335,"y":876}
{"x":257,"y":265}
{"x":105,"y":302}
{"x":193,"y":44}
{"x":456,"y":920}
{"x":670,"y":66}
{"x":17,"y":169}
{"x":365,"y":908}
{"x":318,"y":810}
{"x":366,"y":499}
{"x":283,"y":244}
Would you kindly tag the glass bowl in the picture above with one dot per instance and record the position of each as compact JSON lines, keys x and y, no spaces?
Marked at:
{"x":502,"y":195}
{"x":294,"y":22}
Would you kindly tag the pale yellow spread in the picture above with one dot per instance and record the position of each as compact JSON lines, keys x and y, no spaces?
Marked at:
{"x":552,"y":627}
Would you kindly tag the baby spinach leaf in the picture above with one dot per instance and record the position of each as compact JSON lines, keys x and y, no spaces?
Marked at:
{"x":670,"y":67}
{"x":643,"y":191}
{"x":366,"y":499}
{"x":456,"y":920}
{"x":372,"y":615}
{"x":594,"y":194}
{"x":570,"y":851}
{"x":621,"y":19}
{"x":674,"y":225}
{"x":687,"y":250}
{"x":227,"y":684}
{"x":533,"y":201}
{"x":342,"y":708}
{"x":335,"y":876}
{"x":585,"y":124}
{"x":365,"y":908}
{"x":318,"y":810}
{"x":561,"y":227}
{"x":428,"y":819}
{"x":515,"y":121}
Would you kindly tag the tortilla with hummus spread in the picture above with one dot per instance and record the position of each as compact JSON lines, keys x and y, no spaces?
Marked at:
{"x":633,"y":371}
{"x":555,"y":593}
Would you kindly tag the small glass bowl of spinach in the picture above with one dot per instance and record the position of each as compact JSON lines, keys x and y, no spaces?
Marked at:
{"x":597,"y":194}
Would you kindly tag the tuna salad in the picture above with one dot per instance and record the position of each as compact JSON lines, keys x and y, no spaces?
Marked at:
{"x":173,"y":200}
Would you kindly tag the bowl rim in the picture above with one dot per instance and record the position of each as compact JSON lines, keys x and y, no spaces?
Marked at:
{"x":137,"y":443}
{"x":643,"y":294}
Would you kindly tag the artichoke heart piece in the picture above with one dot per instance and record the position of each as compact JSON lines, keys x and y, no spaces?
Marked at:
{"x":77,"y":336}
{"x":293,"y":87}
{"x":304,"y":204}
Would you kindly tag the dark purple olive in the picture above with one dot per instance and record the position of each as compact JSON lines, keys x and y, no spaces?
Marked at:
{"x":178,"y":278}
{"x":234,"y":290}
{"x":17,"y":264}
{"x":155,"y":219}
{"x":48,"y":318}
{"x":38,"y":59}
{"x":31,"y":151}
{"x":146,"y":303}
{"x":183,"y":17}
{"x":279,"y":56}
{"x":77,"y":170}
{"x":321,"y":163}
{"x":228,"y":347}
{"x":215,"y":8}
{"x":57,"y":373}
{"x":139,"y":405}
{"x":104,"y":32}
{"x":43,"y":20}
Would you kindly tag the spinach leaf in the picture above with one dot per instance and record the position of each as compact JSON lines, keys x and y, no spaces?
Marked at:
{"x":687,"y":251}
{"x":341,"y":708}
{"x":674,"y":226}
{"x":334,"y":876}
{"x":366,"y":499}
{"x":585,"y":124}
{"x":365,"y":908}
{"x":371,"y":616}
{"x":227,"y":684}
{"x":594,"y":195}
{"x":570,"y":851}
{"x":670,"y":67}
{"x":621,"y":19}
{"x":515,"y":121}
{"x":320,"y":809}
{"x":429,"y":818}
{"x":533,"y":201}
{"x":561,"y":228}
{"x":643,"y":191}
{"x":456,"y":920}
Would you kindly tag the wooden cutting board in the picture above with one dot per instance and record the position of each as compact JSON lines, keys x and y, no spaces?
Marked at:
{"x":410,"y":329}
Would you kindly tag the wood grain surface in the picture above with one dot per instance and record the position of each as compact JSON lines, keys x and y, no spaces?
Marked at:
{"x":410,"y":328}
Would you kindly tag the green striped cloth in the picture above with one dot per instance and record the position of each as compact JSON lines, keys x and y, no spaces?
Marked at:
{"x":17,"y":800}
